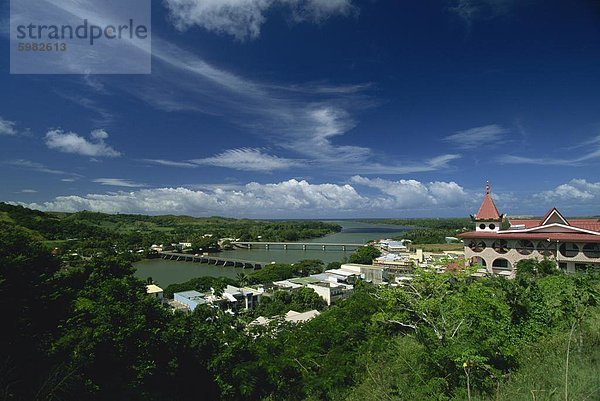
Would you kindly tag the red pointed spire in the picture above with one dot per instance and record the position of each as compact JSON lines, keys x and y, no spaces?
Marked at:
{"x":487,"y":210}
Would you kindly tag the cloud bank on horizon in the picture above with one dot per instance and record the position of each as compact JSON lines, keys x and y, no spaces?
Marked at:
{"x":296,"y":199}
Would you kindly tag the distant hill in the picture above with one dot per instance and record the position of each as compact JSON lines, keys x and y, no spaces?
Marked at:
{"x":141,"y":230}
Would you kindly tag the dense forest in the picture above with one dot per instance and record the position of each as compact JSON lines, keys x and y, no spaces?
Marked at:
{"x":90,"y":332}
{"x":89,"y":233}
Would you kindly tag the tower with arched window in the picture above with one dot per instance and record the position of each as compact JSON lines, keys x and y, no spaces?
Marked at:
{"x":574,"y":244}
{"x":487,"y":219}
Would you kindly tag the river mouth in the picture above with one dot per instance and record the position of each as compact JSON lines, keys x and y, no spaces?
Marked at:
{"x":166,"y":272}
{"x":365,"y":230}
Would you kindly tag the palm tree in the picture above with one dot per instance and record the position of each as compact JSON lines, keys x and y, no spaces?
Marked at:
{"x":243,"y":279}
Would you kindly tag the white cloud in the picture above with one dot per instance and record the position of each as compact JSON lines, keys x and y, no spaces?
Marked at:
{"x":248,"y":159}
{"x":28,"y":191}
{"x":243,"y":19}
{"x":7,"y":127}
{"x":282,"y":199}
{"x":118,"y":182}
{"x":412,"y":194}
{"x":486,"y":136}
{"x":70,"y":142}
{"x":577,"y":190}
{"x":99,"y":134}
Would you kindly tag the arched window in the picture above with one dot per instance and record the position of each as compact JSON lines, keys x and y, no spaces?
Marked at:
{"x":568,"y":249}
{"x":477,"y":246}
{"x":525,"y":247}
{"x":501,"y":263}
{"x":592,"y":250}
{"x":546,"y":248}
{"x":500,"y":246}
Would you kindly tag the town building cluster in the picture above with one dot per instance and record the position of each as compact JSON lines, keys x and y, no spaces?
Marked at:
{"x":398,"y":259}
{"x":499,"y":243}
{"x":495,"y":246}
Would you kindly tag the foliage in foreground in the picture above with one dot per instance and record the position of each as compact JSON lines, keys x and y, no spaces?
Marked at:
{"x":90,"y":332}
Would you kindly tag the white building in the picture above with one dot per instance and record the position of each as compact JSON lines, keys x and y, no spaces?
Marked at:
{"x":291,"y":316}
{"x":191,"y":299}
{"x":154,"y":291}
{"x":331,"y":292}
{"x":325,"y":286}
{"x":371,"y":273}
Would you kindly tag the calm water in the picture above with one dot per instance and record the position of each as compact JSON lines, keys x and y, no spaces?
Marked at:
{"x":166,"y":272}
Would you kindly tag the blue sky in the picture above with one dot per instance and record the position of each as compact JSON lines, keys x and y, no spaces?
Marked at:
{"x":321,"y":108}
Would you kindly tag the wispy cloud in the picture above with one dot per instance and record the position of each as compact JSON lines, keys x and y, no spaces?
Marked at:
{"x":8,"y":127}
{"x":303,"y":120}
{"x":104,"y":118}
{"x":94,"y":83}
{"x":248,"y":159}
{"x":308,"y":120}
{"x":479,"y":137}
{"x":592,"y":154}
{"x":433,"y":164}
{"x":243,"y":19}
{"x":39,"y":167}
{"x":70,"y":142}
{"x":471,"y":10}
{"x":119,"y":182}
{"x":28,"y":191}
{"x":251,"y":159}
{"x":170,"y":163}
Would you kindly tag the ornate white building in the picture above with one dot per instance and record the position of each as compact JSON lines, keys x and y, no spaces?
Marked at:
{"x":573,"y":244}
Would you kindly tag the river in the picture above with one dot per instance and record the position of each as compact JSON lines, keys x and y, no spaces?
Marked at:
{"x":166,"y":272}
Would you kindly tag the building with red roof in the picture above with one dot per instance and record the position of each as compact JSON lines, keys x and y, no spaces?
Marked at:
{"x":573,"y":243}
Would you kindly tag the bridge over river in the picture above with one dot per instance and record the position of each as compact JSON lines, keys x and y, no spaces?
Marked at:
{"x":213,"y":260}
{"x":296,"y":245}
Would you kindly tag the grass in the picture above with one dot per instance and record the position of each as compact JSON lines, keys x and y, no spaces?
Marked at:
{"x":547,"y":374}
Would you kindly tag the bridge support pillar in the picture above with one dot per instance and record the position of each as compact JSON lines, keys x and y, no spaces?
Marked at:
{"x":285,"y":247}
{"x":267,"y":247}
{"x":344,"y":248}
{"x":304,"y":247}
